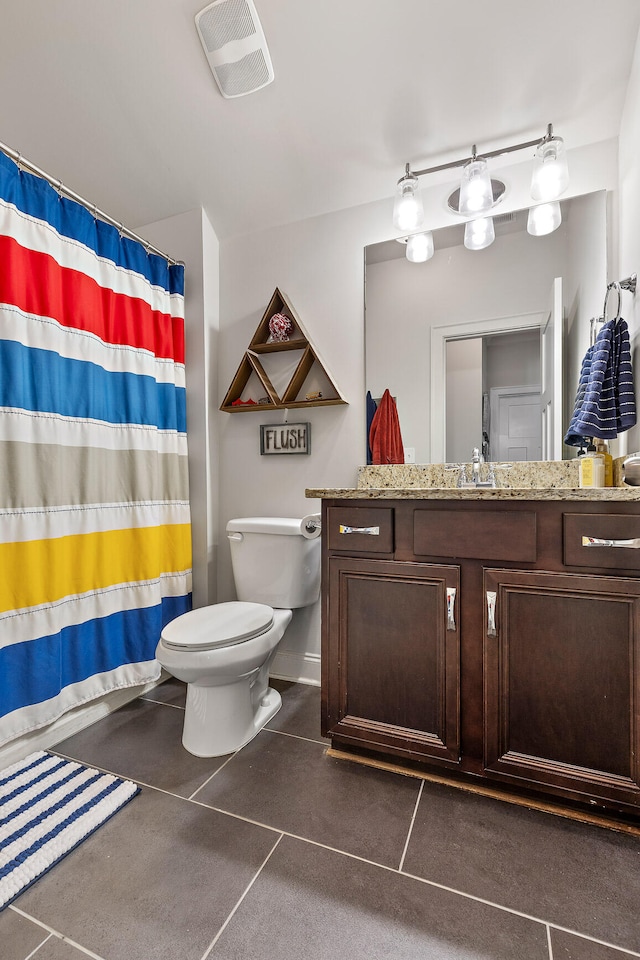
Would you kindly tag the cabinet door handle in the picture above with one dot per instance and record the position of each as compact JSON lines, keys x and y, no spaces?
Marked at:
{"x":370,"y":531}
{"x":633,"y":544}
{"x":451,"y":608}
{"x":491,"y":613}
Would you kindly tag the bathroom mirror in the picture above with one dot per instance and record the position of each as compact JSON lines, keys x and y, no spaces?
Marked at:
{"x":457,"y":339}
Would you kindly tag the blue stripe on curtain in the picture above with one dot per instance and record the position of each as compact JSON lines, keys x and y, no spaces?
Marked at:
{"x":45,"y":382}
{"x":82,"y":650}
{"x":35,"y":197}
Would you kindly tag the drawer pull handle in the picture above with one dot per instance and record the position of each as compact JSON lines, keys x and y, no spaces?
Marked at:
{"x":633,"y":544}
{"x":491,"y":613}
{"x":370,"y":531}
{"x":451,"y":608}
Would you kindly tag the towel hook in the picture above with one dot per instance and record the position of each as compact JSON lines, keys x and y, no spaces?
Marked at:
{"x":612,"y":286}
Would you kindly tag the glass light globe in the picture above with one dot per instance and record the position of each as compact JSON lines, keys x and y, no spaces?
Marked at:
{"x":479,"y":233}
{"x":420,"y":247}
{"x":544,"y":218}
{"x":550,"y":176}
{"x":476,"y":192}
{"x":408,"y":211}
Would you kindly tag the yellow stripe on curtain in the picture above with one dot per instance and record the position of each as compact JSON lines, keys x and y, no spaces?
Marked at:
{"x":42,"y":571}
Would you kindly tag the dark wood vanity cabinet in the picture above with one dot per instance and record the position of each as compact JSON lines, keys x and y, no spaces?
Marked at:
{"x":393,"y":638}
{"x":457,"y":637}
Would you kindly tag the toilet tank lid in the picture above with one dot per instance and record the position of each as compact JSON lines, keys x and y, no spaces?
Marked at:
{"x":287,"y":526}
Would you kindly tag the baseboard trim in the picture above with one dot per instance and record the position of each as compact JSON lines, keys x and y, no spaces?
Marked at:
{"x":70,"y":723}
{"x":299,"y":668}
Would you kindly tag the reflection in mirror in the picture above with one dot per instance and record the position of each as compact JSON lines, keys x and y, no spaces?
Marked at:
{"x":504,"y":370}
{"x":457,"y":339}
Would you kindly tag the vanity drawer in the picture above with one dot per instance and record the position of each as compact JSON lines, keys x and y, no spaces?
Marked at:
{"x":360,"y":529}
{"x":619,"y":533}
{"x":476,"y":534}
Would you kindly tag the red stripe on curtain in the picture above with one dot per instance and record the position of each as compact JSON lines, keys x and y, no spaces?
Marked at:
{"x":35,"y":283}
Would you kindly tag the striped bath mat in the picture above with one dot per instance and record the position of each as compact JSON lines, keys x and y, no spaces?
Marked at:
{"x":47,"y":807}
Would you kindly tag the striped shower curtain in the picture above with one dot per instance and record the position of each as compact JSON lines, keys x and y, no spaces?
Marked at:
{"x":95,"y":548}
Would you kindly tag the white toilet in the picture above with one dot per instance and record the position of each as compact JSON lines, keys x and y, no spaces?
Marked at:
{"x":224,"y":651}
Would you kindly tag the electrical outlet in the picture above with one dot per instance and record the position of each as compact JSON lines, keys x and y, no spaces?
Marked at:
{"x":409,"y":454}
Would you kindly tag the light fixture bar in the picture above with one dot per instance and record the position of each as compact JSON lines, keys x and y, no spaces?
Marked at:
{"x":486,"y":156}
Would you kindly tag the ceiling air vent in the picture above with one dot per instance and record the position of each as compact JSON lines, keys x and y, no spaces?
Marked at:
{"x":234,"y":43}
{"x":505,"y":218}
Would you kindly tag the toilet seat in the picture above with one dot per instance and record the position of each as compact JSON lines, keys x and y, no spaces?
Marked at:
{"x":218,"y":625}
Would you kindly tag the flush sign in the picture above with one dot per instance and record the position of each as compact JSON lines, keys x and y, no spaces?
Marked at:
{"x":285,"y":438}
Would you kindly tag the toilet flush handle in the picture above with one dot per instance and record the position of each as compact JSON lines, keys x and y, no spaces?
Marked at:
{"x":236,"y":536}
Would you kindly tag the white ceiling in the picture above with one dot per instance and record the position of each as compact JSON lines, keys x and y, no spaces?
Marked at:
{"x":116,"y":98}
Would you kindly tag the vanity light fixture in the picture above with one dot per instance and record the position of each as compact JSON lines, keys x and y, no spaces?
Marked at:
{"x":478,"y":193}
{"x":408,"y":211}
{"x":479,"y":233}
{"x":550,"y":171}
{"x":420,"y":247}
{"x":544,"y":218}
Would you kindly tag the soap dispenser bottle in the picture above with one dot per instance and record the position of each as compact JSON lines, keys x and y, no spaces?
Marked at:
{"x":602,"y":447}
{"x":592,"y":468}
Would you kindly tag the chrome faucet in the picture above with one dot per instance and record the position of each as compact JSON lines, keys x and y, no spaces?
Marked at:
{"x":476,"y":460}
{"x":475,"y":481}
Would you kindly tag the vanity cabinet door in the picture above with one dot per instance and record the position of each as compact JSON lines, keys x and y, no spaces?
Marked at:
{"x":562,"y":683}
{"x":392,"y":646}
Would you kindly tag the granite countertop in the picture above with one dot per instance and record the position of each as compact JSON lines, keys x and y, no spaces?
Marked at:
{"x":540,"y":480}
{"x":479,"y":493}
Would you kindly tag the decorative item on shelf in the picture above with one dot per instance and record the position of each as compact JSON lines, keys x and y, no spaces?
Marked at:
{"x":276,"y":438}
{"x":478,"y":194}
{"x":286,"y":373}
{"x":280,"y":327}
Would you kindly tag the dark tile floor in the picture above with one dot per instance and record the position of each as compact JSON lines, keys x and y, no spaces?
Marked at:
{"x":279,"y":851}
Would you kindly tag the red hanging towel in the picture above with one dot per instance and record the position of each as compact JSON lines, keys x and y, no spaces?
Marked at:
{"x":385,"y":438}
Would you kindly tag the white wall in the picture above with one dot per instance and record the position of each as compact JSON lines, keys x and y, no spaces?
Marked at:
{"x":628,"y":260}
{"x":512,"y":360}
{"x":463,"y":399}
{"x":585,"y":282}
{"x":319,"y":265}
{"x":190,"y":237}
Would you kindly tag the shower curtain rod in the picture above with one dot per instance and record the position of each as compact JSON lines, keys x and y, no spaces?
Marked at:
{"x":60,"y":187}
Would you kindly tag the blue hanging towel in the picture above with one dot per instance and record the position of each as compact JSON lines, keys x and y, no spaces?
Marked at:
{"x":605,"y":403}
{"x":372,"y":406}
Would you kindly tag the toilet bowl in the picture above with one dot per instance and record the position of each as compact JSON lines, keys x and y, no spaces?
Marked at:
{"x":223,"y":652}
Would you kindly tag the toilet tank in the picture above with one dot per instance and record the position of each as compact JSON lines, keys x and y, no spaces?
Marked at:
{"x":274,"y":562}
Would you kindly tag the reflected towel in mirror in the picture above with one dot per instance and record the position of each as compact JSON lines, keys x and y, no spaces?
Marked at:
{"x":385,"y":438}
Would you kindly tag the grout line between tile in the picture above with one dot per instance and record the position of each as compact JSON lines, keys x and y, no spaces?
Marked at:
{"x":141,"y":783}
{"x":624,"y":951}
{"x":52,"y":932}
{"x":413,"y":818}
{"x":162,"y":703}
{"x":33,"y":952}
{"x":549,"y":946}
{"x":215,"y":772}
{"x":295,"y":736}
{"x":246,"y":891}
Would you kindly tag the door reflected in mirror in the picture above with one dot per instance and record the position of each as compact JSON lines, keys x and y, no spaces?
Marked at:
{"x":421,"y":317}
{"x":503,"y":371}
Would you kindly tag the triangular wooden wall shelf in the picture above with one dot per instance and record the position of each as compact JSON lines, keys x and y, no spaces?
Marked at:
{"x":308,"y":369}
